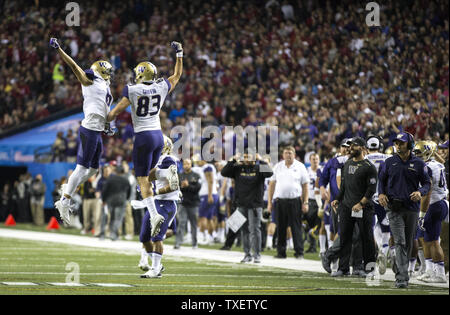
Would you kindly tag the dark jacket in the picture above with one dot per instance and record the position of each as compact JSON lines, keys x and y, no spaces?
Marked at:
{"x":359,"y":179}
{"x":116,"y":190}
{"x":249,"y":183}
{"x":190,"y":193}
{"x":398,"y":179}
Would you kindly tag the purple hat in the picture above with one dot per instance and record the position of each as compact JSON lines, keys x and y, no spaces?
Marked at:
{"x":403,"y":137}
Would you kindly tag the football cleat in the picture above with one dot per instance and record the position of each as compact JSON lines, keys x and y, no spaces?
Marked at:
{"x":64,"y":212}
{"x":425,"y":276}
{"x":154,"y":273}
{"x":246,"y":259}
{"x":382,"y":263}
{"x":436,"y":279}
{"x":156,"y":223}
{"x":144,"y":266}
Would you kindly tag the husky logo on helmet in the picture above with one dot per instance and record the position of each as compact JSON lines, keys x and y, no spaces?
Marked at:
{"x":103,"y":68}
{"x":168,"y":145}
{"x":145,"y":72}
{"x":391,"y":150}
{"x":425,"y":149}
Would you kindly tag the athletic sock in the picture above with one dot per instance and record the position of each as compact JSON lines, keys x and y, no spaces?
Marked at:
{"x":429,"y":265}
{"x":323,"y":243}
{"x":412,"y":264}
{"x":269,"y":241}
{"x":421,"y":256}
{"x":156,"y":260}
{"x":439,"y":268}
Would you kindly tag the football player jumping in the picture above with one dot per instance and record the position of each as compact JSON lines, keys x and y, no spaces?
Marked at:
{"x":146,"y":98}
{"x":97,"y":100}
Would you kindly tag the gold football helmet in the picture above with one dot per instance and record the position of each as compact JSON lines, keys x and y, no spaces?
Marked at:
{"x":145,"y":72}
{"x":168,"y":145}
{"x":103,"y":69}
{"x":425,"y":149}
{"x":391,"y":150}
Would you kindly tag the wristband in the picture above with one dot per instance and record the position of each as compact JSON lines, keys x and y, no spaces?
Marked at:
{"x":180,"y":54}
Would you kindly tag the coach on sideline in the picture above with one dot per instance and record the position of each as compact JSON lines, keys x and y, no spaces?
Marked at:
{"x":289,"y":190}
{"x":402,"y":181}
{"x":358,"y":184}
{"x":249,"y":192}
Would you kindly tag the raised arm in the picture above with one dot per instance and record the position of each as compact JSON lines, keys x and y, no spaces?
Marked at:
{"x":79,"y":73}
{"x":175,"y":77}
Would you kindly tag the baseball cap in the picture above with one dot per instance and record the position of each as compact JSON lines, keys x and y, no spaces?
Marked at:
{"x":358,"y":141}
{"x":403,"y":137}
{"x":345,"y":143}
{"x":373,"y":143}
{"x":443,"y":145}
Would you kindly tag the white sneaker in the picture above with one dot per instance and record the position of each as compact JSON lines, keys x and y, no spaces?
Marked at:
{"x":64,"y":212}
{"x":153,"y":273}
{"x":172,"y":177}
{"x":144,"y":266}
{"x":425,"y":276}
{"x":382,"y":263}
{"x":156,"y":223}
{"x":437,"y":279}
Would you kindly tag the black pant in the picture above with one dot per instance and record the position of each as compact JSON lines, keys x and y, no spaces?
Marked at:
{"x":346,"y":225}
{"x":289,"y":213}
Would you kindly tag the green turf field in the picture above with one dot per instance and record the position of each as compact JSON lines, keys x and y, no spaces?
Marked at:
{"x":44,"y":263}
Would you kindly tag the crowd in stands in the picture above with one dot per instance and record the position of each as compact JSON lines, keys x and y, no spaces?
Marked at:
{"x":313,"y":68}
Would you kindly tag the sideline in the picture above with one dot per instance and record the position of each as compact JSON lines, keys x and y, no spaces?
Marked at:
{"x":131,"y":247}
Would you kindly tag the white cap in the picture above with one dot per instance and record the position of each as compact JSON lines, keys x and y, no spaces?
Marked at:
{"x":373,"y":143}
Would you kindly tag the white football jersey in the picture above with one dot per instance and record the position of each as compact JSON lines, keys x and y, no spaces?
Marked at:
{"x":146,"y":102}
{"x":439,"y":185}
{"x":312,"y":181}
{"x":200,"y":170}
{"x":377,"y":159}
{"x":97,"y":100}
{"x":164,"y":162}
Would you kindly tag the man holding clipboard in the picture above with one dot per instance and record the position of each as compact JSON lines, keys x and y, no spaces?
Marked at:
{"x":249,"y":179}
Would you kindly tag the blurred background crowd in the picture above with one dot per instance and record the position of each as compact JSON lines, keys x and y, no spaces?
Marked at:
{"x":313,"y":68}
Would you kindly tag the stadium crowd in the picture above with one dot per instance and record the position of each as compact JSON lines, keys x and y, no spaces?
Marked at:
{"x":314,"y":68}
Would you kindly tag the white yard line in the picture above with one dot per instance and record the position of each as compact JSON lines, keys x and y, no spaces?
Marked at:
{"x":133,"y":248}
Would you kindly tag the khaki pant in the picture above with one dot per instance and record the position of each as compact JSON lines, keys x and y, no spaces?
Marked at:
{"x":37,"y":211}
{"x":129,"y":223}
{"x":91,"y":214}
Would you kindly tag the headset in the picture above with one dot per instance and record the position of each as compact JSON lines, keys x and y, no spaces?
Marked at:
{"x":411,"y":141}
{"x":380,"y":140}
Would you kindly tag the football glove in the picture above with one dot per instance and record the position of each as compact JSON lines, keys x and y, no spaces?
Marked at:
{"x":54,"y":43}
{"x":110,"y":129}
{"x":177,"y":46}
